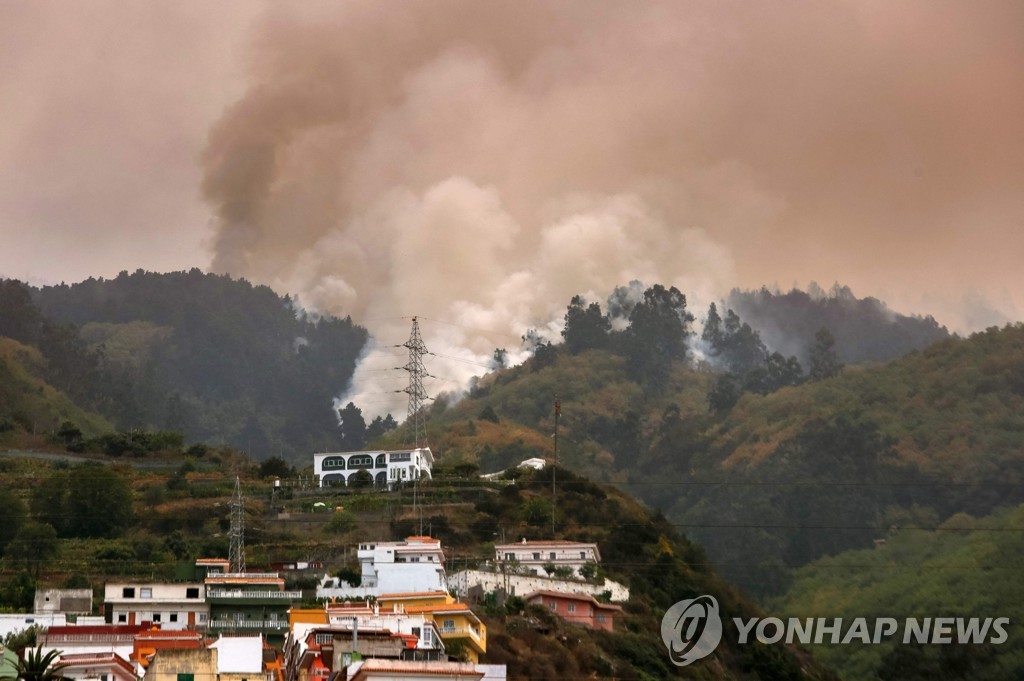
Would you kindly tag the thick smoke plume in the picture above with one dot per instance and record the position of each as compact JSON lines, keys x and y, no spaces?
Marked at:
{"x":479,"y":163}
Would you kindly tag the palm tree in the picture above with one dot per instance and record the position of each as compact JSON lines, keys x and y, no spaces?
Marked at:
{"x":35,"y":666}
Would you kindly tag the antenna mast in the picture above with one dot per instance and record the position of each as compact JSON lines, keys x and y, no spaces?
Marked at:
{"x":417,"y":395}
{"x":236,"y":555}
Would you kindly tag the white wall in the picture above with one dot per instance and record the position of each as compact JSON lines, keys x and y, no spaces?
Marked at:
{"x":520,"y":585}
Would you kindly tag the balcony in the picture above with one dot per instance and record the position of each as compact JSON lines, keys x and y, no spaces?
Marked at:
{"x":235,"y":595}
{"x":477,"y":635}
{"x":244,"y":625}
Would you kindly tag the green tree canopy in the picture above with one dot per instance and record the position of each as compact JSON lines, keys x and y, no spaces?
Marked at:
{"x":33,"y":546}
{"x":823,"y":358}
{"x":87,"y":501}
{"x":586,"y":327}
{"x":353,"y":427}
{"x":13,"y":510}
{"x":658,"y":329}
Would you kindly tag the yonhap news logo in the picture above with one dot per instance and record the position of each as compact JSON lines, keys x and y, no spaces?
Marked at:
{"x":691,"y":629}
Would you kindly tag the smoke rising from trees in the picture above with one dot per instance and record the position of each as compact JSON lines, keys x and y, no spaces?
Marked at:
{"x":481,"y":163}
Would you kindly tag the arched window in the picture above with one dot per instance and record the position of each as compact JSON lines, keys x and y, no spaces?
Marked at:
{"x":336,"y":463}
{"x":333,"y":480}
{"x":360,"y":461}
{"x":382,"y":461}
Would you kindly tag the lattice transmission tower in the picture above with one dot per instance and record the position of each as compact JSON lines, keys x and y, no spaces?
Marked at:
{"x":236,"y":555}
{"x":417,"y":395}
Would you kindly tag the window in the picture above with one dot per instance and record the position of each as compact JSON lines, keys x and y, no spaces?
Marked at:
{"x":360,"y":461}
{"x":333,"y":462}
{"x":536,"y":555}
{"x":551,"y":556}
{"x":186,"y":677}
{"x":400,"y":457}
{"x":156,"y":617}
{"x":510,"y":556}
{"x":145,"y":592}
{"x":382,"y":461}
{"x":583,"y":555}
{"x":122,"y":617}
{"x":192,"y":592}
{"x":202,"y":617}
{"x":128,"y":592}
{"x":552,"y":605}
{"x":600,"y":618}
{"x":572,"y":607}
{"x":174,"y":617}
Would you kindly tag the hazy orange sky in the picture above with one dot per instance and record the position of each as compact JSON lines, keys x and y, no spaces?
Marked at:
{"x":482,"y":162}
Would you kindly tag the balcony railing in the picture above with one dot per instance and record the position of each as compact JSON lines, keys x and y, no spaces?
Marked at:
{"x":261,"y":625}
{"x":244,"y":575}
{"x":264,"y":594}
{"x":460,"y":632}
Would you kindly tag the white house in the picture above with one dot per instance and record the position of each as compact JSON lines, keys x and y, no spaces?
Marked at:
{"x":173,"y":606}
{"x":415,"y":564}
{"x":532,"y":556}
{"x":386,"y":467}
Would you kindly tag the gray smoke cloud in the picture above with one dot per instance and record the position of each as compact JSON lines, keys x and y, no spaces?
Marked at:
{"x":480,"y":163}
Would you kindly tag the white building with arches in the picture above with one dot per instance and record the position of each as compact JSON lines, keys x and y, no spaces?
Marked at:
{"x":386,"y":467}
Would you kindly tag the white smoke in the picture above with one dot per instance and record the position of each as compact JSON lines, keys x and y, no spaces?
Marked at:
{"x":478,"y":164}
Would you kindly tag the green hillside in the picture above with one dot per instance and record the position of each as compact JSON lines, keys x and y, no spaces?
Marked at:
{"x":28,"y":403}
{"x":164,"y":520}
{"x":780,"y":479}
{"x":966,"y":567}
{"x":217,"y":359}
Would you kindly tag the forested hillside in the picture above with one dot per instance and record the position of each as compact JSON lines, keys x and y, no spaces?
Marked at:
{"x":138,"y":523}
{"x":865,"y":329}
{"x":965,"y":567}
{"x":216,"y":359}
{"x":780,"y":478}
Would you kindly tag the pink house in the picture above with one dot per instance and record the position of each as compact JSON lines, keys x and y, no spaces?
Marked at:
{"x":581,"y":609}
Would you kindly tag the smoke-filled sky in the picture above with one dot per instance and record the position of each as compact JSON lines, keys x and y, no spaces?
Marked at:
{"x":478,"y":163}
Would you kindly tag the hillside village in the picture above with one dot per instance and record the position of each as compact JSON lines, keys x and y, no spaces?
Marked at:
{"x":565,"y":579}
{"x":402,"y":616}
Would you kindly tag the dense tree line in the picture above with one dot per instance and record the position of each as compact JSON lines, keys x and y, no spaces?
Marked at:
{"x":216,"y":359}
{"x":864,"y":329}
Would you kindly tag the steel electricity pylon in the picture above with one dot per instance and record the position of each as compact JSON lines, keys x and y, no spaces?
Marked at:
{"x":236,"y":554}
{"x":417,"y":395}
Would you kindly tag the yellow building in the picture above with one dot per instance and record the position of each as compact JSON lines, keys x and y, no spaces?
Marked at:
{"x":458,"y":624}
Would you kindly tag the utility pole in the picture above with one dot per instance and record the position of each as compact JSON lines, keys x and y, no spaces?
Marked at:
{"x":558,"y":414}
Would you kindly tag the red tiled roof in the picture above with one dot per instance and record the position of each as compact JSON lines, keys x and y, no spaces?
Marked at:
{"x":545,"y":542}
{"x":90,"y":659}
{"x":412,"y":594}
{"x":586,"y":598}
{"x":447,"y":607}
{"x":462,"y":670}
{"x":98,"y":629}
{"x":220,"y":579}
